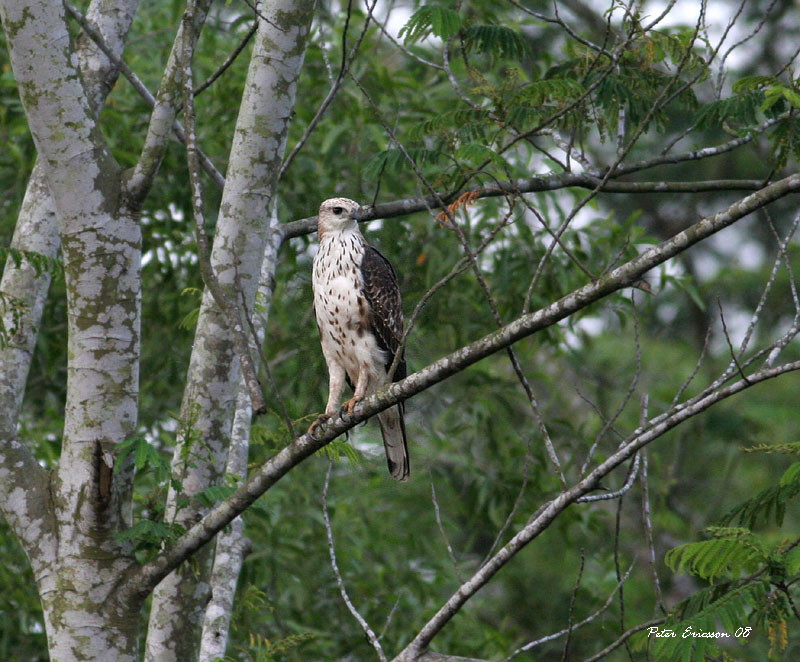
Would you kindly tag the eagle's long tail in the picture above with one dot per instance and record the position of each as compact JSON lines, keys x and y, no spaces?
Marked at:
{"x":393,"y":428}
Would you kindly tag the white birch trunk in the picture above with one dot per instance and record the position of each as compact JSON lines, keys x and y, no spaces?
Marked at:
{"x":66,"y":521}
{"x":231,"y":546}
{"x":179,"y":602}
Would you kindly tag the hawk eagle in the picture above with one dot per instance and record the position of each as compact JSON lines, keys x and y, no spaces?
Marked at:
{"x":360,"y":320}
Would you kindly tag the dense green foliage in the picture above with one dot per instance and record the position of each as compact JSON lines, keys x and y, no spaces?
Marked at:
{"x":480,"y":468}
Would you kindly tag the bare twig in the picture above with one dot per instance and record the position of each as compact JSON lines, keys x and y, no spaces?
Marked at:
{"x":623,"y":638}
{"x":630,"y":479}
{"x":446,"y":540}
{"x":617,"y":569}
{"x":734,"y":358}
{"x":693,"y":374}
{"x":347,"y":61}
{"x":373,"y":640}
{"x":609,"y":424}
{"x":648,"y":531}
{"x":536,"y":184}
{"x":571,"y":611}
{"x":226,"y":303}
{"x":591,"y":617}
{"x":228,"y":61}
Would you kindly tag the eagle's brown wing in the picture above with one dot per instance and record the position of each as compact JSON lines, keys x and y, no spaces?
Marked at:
{"x":386,"y":312}
{"x":386,"y":323}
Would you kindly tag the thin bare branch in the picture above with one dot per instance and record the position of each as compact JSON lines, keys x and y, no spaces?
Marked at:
{"x":373,"y":640}
{"x":571,"y":612}
{"x":591,"y":617}
{"x":536,"y":184}
{"x":734,"y":358}
{"x":623,"y":638}
{"x":693,"y":374}
{"x":226,"y":303}
{"x":347,"y":61}
{"x":446,"y":540}
{"x":630,"y":479}
{"x":648,"y":532}
{"x":228,"y":61}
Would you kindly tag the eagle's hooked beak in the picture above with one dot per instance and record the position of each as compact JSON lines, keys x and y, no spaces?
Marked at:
{"x":358,"y":214}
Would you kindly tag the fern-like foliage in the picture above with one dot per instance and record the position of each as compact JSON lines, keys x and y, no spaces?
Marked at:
{"x":145,"y":456}
{"x":40,"y":263}
{"x":547,"y":91}
{"x":340,"y":448}
{"x":764,"y":95}
{"x":750,"y":578}
{"x":724,"y":610}
{"x":770,"y":503}
{"x":395,"y":161}
{"x":636,"y":88}
{"x":437,"y":20}
{"x":737,"y":111}
{"x":785,"y":139}
{"x":791,"y":448}
{"x":149,"y":535}
{"x":496,"y":40}
{"x":730,"y":552}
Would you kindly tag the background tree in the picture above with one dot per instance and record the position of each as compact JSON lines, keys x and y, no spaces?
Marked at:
{"x":593,"y":218}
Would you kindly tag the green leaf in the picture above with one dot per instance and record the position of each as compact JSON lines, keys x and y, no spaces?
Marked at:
{"x":768,"y":503}
{"x":730,"y":552}
{"x":701,"y":612}
{"x":496,"y":40}
{"x":791,"y":476}
{"x":440,"y":21}
{"x":739,"y":110}
{"x":751,"y":83}
{"x":340,"y":448}
{"x":791,"y":96}
{"x":150,"y":533}
{"x":40,"y":263}
{"x":476,"y":153}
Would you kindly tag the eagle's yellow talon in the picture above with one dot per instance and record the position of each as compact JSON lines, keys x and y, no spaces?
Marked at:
{"x":350,"y":405}
{"x":320,"y":419}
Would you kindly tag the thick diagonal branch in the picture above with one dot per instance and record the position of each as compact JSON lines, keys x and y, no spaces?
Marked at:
{"x":300,"y":449}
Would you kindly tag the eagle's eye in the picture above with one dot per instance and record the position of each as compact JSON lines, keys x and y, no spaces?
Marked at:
{"x":337,"y":210}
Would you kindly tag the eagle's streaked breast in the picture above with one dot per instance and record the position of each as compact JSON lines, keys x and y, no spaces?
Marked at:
{"x":341,"y":308}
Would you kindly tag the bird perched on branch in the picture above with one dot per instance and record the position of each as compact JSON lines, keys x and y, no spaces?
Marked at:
{"x":360,"y":320}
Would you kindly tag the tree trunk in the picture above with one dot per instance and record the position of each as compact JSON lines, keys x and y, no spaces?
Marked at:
{"x":213,"y":381}
{"x":67,"y":520}
{"x":231,"y":546}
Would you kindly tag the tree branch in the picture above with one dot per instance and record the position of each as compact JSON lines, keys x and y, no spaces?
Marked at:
{"x":535,"y":184}
{"x":137,"y":183}
{"x":556,"y":506}
{"x":167,"y":101}
{"x":147,"y":576}
{"x":368,"y":632}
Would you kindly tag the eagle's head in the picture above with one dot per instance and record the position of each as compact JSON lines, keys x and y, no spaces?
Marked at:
{"x":337,"y":214}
